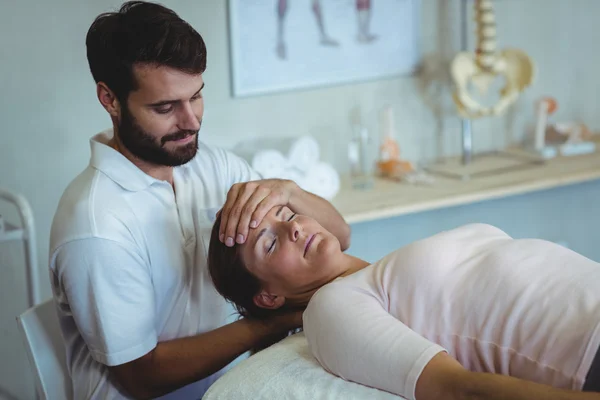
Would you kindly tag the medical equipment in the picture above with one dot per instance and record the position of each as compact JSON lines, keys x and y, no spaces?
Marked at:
{"x":486,"y":64}
{"x":473,"y":73}
{"x":26,"y":234}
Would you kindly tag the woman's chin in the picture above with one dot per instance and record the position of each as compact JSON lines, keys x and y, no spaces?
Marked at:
{"x":326,"y":251}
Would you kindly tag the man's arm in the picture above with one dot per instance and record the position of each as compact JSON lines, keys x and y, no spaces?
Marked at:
{"x":247,"y":204}
{"x":107,"y":288}
{"x":444,"y":378}
{"x":179,"y":362}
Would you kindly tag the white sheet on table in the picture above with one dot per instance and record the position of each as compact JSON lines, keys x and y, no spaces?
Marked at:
{"x":287,"y":370}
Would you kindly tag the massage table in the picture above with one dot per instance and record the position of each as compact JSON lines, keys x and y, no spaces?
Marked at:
{"x":288,"y":370}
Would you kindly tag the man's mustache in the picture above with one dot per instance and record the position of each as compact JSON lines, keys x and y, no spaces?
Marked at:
{"x":179,"y":135}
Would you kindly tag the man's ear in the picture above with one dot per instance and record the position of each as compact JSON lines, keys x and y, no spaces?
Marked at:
{"x":108,"y":99}
{"x":267,"y":300}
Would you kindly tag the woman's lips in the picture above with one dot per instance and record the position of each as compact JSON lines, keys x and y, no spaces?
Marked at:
{"x":308,"y":243}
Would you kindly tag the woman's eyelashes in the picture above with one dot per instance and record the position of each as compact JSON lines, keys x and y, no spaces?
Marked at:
{"x":270,"y":250}
{"x":272,"y":246}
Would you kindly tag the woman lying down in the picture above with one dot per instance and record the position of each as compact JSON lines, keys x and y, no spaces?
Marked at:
{"x":467,"y":313}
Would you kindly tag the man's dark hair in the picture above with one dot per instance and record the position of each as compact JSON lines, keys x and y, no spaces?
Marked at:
{"x":141,"y":33}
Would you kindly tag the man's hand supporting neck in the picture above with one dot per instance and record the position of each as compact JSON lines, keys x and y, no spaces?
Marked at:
{"x":179,"y":362}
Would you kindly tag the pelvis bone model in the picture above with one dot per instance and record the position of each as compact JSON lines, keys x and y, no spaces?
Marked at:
{"x":486,"y":65}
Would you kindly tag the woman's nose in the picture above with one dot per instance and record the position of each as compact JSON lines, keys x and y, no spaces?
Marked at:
{"x":295,"y":229}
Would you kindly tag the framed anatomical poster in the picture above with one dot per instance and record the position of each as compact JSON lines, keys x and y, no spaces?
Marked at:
{"x":281,"y":45}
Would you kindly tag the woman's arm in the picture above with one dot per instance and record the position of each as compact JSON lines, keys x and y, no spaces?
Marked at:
{"x":353,"y":336}
{"x":444,"y":378}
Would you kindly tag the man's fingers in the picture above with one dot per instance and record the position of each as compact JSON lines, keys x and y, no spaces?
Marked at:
{"x":236,"y":212}
{"x":232,"y":196}
{"x":263,"y":208}
{"x":247,"y":212}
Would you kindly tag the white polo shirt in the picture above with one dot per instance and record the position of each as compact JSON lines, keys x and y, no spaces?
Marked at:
{"x":128,"y":261}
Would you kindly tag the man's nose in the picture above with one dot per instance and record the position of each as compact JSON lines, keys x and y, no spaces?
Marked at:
{"x":188,"y":120}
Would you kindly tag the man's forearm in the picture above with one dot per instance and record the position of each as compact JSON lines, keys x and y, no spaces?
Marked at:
{"x":482,"y":386}
{"x":306,"y":203}
{"x":176,"y":363}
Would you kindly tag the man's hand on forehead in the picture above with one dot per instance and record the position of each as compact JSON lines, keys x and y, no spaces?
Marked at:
{"x":248,"y":203}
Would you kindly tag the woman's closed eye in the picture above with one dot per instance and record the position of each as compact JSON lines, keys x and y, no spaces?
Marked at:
{"x":275,"y":240}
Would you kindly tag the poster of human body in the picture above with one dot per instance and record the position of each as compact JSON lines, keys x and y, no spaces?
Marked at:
{"x":280,"y":45}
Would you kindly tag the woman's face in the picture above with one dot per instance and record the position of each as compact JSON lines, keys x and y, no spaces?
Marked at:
{"x":291,"y":254}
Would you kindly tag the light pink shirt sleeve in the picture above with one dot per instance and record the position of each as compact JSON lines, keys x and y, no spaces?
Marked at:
{"x":354,"y":337}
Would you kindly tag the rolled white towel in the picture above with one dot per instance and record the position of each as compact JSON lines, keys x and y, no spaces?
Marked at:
{"x":295,"y":175}
{"x":304,"y":152}
{"x":323,"y":180}
{"x":301,"y":151}
{"x":269,"y":163}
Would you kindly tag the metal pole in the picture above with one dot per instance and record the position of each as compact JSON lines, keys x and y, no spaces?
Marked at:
{"x":467,"y":141}
{"x":467,"y":129}
{"x":29,"y":236}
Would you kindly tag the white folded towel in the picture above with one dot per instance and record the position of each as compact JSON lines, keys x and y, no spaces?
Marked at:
{"x":304,"y":152}
{"x":296,"y":159}
{"x":269,"y":163}
{"x":300,"y":152}
{"x":288,"y":370}
{"x":322,"y":179}
{"x":294,"y":174}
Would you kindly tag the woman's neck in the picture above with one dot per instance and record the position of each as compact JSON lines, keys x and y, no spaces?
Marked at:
{"x":354,"y":264}
{"x":349,"y":265}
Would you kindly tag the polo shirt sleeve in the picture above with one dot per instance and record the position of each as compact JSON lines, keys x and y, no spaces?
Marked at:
{"x":352,"y":336}
{"x":110,"y":295}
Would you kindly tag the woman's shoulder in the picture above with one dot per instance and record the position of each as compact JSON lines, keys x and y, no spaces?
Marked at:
{"x":332,"y":292}
{"x":337,"y":297}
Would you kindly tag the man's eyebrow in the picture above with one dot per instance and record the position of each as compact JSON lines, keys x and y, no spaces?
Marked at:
{"x":279,"y":211}
{"x":166,"y":102}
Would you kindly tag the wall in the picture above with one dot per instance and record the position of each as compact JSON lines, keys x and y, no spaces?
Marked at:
{"x":49,"y":111}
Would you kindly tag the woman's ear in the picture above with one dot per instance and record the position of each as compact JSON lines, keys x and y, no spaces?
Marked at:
{"x":267,"y":300}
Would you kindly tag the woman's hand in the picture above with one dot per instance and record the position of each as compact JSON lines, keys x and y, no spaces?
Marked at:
{"x":444,"y":378}
{"x":248,"y":203}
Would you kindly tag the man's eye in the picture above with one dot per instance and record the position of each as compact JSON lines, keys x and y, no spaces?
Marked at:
{"x":162,"y":110}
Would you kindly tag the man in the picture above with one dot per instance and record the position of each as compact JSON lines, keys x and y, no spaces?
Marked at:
{"x":138,"y":312}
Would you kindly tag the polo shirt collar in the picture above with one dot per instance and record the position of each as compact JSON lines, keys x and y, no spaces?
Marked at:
{"x":116,"y":166}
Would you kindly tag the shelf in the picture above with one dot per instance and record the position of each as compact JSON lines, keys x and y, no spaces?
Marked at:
{"x":390,"y":199}
{"x":10,"y":233}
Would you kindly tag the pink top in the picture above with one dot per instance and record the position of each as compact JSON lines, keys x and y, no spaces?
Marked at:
{"x":524,"y":307}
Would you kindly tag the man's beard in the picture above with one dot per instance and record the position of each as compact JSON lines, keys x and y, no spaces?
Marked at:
{"x":144,"y":146}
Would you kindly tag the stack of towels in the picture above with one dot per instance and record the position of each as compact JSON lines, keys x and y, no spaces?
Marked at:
{"x":296,"y":159}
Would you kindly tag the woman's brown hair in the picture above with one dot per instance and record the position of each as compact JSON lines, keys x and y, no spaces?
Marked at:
{"x":231,"y":277}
